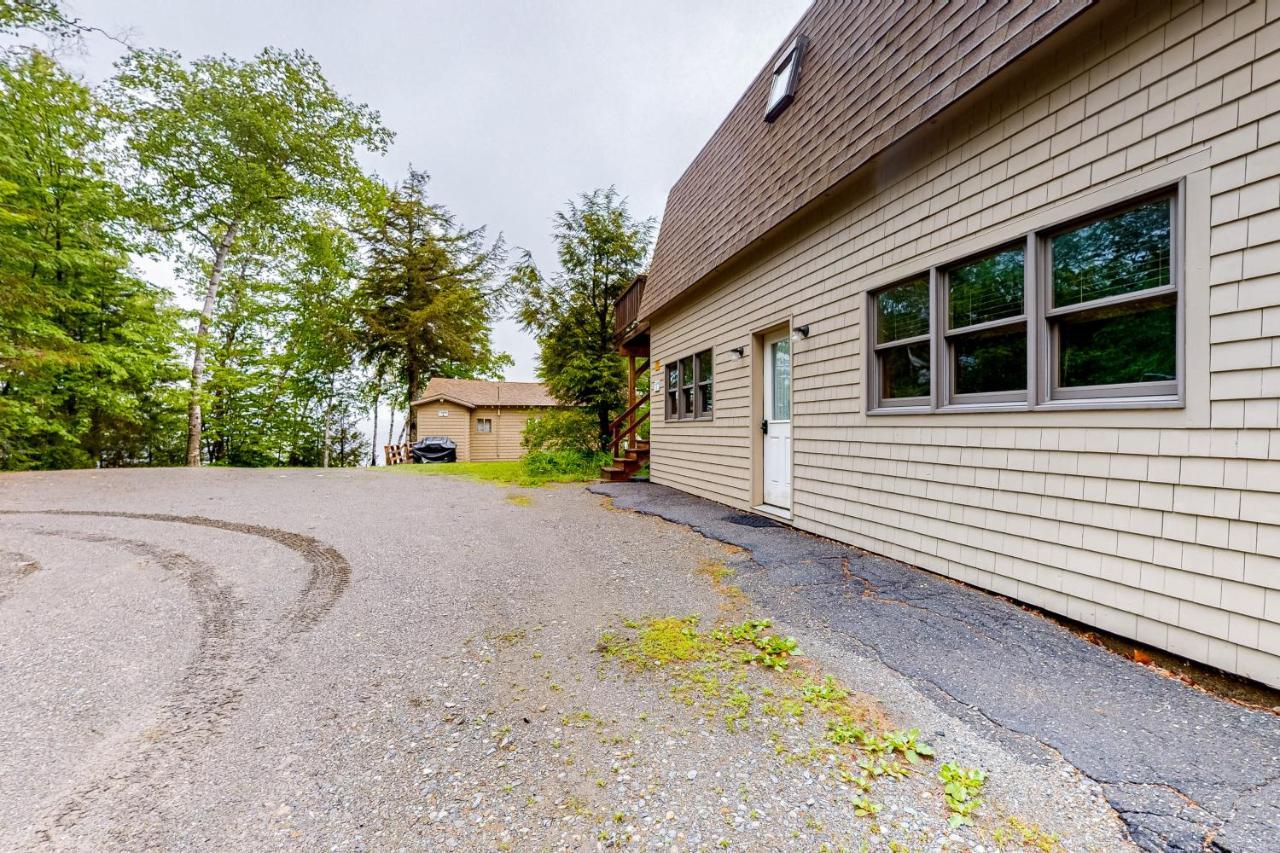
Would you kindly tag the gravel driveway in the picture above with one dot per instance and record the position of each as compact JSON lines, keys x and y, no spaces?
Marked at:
{"x":242,"y":660}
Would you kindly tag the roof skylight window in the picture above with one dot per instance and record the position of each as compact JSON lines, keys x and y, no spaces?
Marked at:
{"x":786,"y":73}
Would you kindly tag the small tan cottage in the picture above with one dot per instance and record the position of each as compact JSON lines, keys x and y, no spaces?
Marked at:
{"x":486,"y":419}
{"x":994,"y":288}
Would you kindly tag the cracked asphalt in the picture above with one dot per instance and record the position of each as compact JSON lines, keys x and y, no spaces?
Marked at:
{"x":1183,"y":769}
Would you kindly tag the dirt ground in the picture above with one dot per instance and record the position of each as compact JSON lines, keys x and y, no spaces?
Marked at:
{"x":373,"y":660}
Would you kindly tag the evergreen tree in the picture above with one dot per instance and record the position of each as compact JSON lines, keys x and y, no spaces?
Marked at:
{"x":601,"y":249}
{"x":428,"y":296}
{"x":86,"y":350}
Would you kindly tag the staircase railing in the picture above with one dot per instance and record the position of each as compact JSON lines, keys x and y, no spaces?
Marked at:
{"x":625,"y":425}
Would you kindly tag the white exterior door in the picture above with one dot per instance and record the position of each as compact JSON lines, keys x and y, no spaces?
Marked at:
{"x":777,"y":420}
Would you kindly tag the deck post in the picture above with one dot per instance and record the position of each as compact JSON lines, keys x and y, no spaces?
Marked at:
{"x":631,"y":393}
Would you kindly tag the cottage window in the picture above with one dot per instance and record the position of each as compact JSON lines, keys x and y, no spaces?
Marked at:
{"x":1083,"y":314}
{"x":1113,"y":311}
{"x":686,"y":387}
{"x":705,"y":371}
{"x":986,"y":335}
{"x":786,"y":73}
{"x":690,"y":382}
{"x":673,"y":390}
{"x":902,"y":343}
{"x":484,"y":425}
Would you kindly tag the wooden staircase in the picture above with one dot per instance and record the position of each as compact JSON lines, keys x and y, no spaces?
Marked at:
{"x":627,"y":462}
{"x":630,"y":452}
{"x":631,"y":335}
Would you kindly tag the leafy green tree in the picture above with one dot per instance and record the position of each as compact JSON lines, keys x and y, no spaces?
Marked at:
{"x":282,"y":372}
{"x":18,"y":15}
{"x":428,"y":296}
{"x":321,"y":339}
{"x":86,"y":348}
{"x":601,"y":249}
{"x":226,"y":147}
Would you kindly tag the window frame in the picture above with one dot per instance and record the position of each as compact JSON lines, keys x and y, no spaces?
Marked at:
{"x":700,"y":383}
{"x":485,"y":421}
{"x":1169,"y":390}
{"x":673,"y":409}
{"x":1043,"y":392}
{"x":899,"y":405}
{"x":791,"y":61}
{"x":671,"y":391}
{"x":945,"y":364}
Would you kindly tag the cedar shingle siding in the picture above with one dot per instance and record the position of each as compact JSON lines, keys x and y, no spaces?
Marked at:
{"x":1157,"y":524}
{"x":872,"y":72}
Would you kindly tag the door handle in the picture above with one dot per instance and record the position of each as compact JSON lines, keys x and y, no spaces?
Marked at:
{"x":764,"y":426}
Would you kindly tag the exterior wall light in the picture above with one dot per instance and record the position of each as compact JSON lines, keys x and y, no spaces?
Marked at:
{"x":738,"y":352}
{"x":802,"y":331}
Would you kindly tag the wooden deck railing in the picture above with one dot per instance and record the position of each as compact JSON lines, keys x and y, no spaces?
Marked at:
{"x":626,"y":311}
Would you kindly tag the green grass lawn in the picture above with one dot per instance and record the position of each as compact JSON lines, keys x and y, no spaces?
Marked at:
{"x":511,"y":473}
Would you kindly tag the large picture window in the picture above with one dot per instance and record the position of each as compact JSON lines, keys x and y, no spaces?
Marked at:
{"x":689,"y":391}
{"x":1085,"y":313}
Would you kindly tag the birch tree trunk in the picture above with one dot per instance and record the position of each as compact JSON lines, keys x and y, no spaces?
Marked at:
{"x":194,"y":421}
{"x":328,"y":425}
{"x":373,"y":445}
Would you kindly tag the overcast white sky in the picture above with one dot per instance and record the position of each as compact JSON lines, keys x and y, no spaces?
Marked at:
{"x":513,"y":107}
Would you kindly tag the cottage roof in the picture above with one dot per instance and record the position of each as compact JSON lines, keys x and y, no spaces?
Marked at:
{"x":872,"y":72}
{"x":482,"y":392}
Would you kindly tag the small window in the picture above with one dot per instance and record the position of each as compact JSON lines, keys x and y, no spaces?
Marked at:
{"x":686,"y":387}
{"x":1113,"y":314}
{"x":484,"y":425}
{"x":704,"y":375}
{"x":780,"y":391}
{"x":786,"y":73}
{"x":902,"y":344}
{"x":673,"y":390}
{"x":690,"y":384}
{"x":986,"y":334}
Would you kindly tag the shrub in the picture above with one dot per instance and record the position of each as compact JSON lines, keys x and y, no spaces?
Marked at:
{"x":561,"y":430}
{"x":563,"y":465}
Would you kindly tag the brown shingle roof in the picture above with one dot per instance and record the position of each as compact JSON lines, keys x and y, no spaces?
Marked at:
{"x":873,"y":71}
{"x":482,"y":392}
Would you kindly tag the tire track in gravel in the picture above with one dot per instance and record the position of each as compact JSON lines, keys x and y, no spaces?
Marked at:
{"x":15,"y":567}
{"x":213,"y":681}
{"x":329,"y":572}
{"x":206,"y":693}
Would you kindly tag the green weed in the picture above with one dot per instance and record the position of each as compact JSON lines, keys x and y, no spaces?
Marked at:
{"x":961,"y":786}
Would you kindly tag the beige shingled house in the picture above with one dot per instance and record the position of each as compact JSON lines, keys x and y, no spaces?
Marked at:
{"x":485,"y":419}
{"x":993,"y":288}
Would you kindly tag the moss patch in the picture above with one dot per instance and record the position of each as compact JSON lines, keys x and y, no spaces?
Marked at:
{"x":747,"y":675}
{"x":1015,"y":832}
